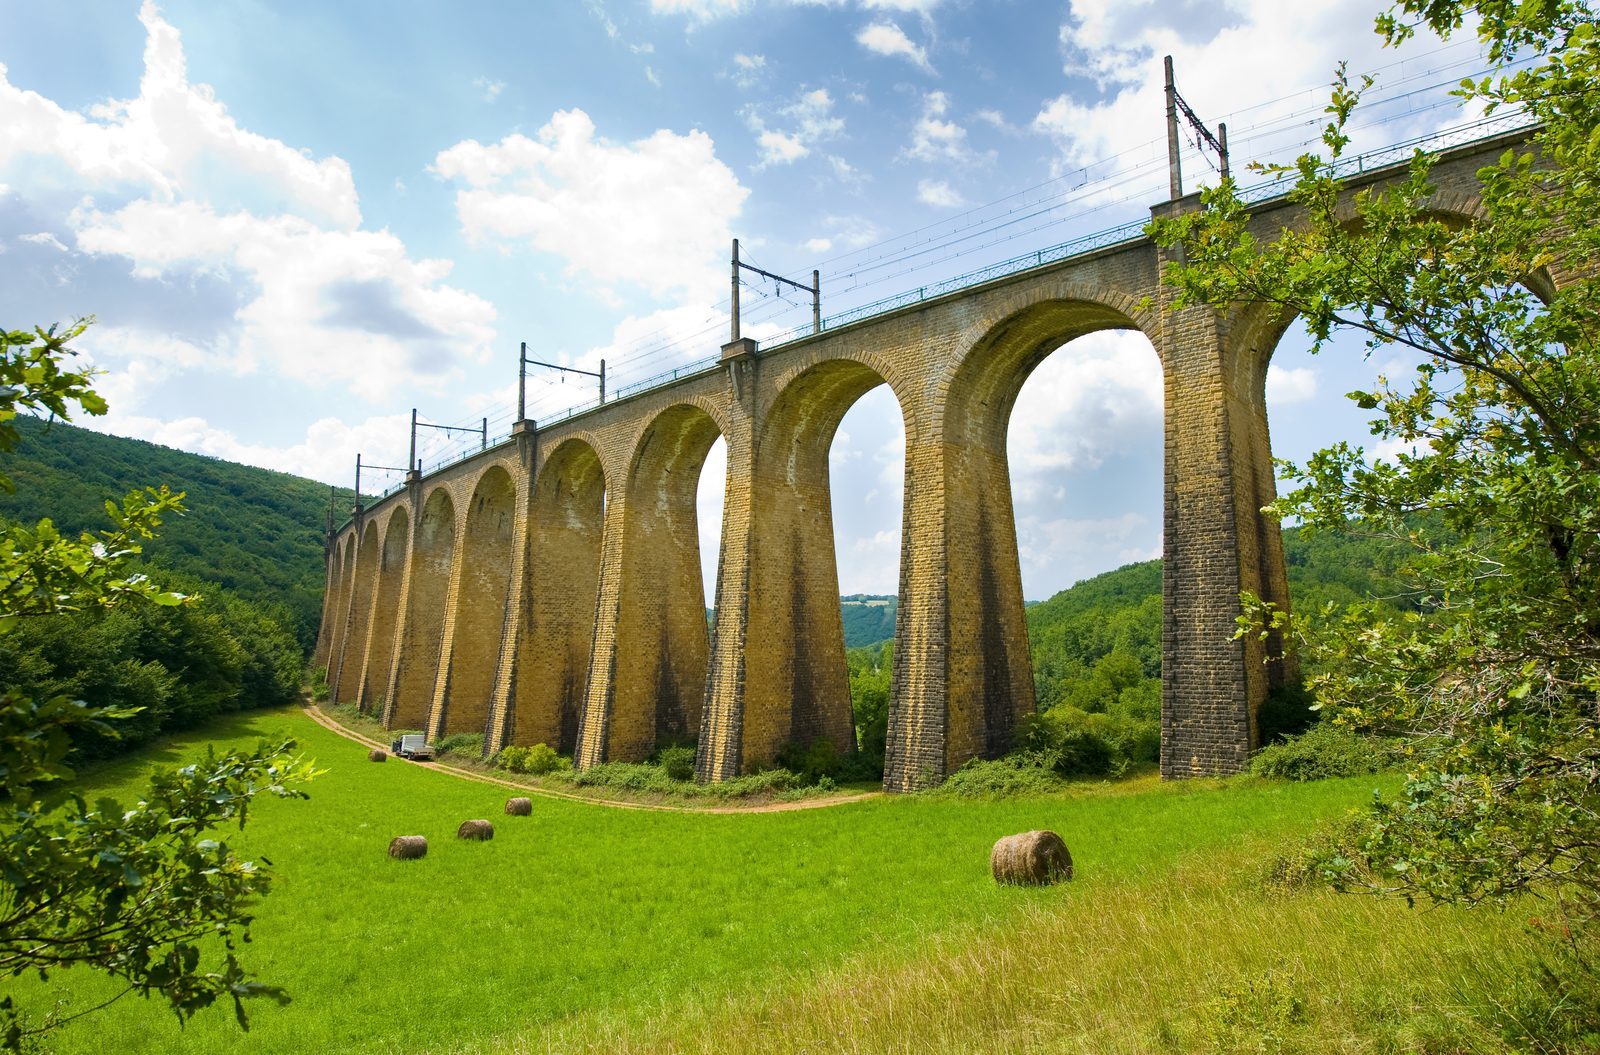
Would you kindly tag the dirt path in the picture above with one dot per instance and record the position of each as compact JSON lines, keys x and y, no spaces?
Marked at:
{"x":316,"y":714}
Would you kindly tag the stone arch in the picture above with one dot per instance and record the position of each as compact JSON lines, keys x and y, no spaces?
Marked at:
{"x":1256,"y":328}
{"x":565,"y":531}
{"x":647,"y":673}
{"x":797,"y":686}
{"x":385,"y":612}
{"x":344,"y":568}
{"x":860,"y":350}
{"x":361,"y":589}
{"x":992,"y":372}
{"x":1255,"y":332}
{"x":482,"y":599}
{"x":330,"y":595}
{"x":963,"y":678}
{"x":422,"y":630}
{"x":324,"y":656}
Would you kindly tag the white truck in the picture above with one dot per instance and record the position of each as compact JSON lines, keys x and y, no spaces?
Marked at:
{"x":412,"y":746}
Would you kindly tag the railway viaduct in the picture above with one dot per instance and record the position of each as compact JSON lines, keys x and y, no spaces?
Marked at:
{"x":548,"y":589}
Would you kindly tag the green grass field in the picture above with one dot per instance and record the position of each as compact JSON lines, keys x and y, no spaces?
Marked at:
{"x":865,"y":927}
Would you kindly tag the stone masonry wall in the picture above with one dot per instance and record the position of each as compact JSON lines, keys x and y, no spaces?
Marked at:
{"x":550,"y":591}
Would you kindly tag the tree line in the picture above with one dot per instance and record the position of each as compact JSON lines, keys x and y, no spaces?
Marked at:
{"x":254,"y":532}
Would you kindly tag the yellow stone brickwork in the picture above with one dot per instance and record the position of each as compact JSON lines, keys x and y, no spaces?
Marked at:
{"x":548,"y":589}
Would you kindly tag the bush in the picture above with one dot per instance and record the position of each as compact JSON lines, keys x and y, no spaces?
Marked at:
{"x":764,"y":782}
{"x":537,"y":760}
{"x":1075,"y":742}
{"x":1324,"y":750}
{"x":645,"y":777}
{"x":862,"y":767}
{"x":319,"y":684}
{"x":870,"y":673}
{"x":460,"y":744}
{"x":676,"y":761}
{"x":1287,"y":711}
{"x":1020,"y":773}
{"x":810,"y":763}
{"x":627,"y":776}
{"x":1320,"y":859}
{"x":542,"y":759}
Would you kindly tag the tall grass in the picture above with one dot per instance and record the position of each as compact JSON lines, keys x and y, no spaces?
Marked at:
{"x":872,"y":926}
{"x":1192,"y":962}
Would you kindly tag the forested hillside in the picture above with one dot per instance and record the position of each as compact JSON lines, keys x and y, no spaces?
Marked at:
{"x":256,"y":532}
{"x":868,"y":618}
{"x":1096,"y":648}
{"x":1102,"y":636}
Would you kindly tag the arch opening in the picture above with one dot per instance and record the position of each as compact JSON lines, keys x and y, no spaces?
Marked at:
{"x":422,"y":635}
{"x":866,"y":463}
{"x":344,"y":568}
{"x":1084,"y":447}
{"x":797,"y":688}
{"x":991,"y":670}
{"x":658,"y":654}
{"x":362,"y":586}
{"x":482,"y":600}
{"x":562,"y":579}
{"x":385,"y":612}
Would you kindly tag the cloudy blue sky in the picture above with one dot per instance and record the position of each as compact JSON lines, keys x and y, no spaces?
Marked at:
{"x":297,"y":220}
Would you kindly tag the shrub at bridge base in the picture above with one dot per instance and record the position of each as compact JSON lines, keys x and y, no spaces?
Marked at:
{"x":537,"y":760}
{"x":478,"y":830}
{"x":1030,"y":859}
{"x":408,"y":847}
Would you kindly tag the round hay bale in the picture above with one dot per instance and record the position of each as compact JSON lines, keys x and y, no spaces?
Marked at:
{"x":519,"y":807}
{"x":377,"y":754}
{"x":1030,"y":859}
{"x":408,"y":847}
{"x":475,"y":829}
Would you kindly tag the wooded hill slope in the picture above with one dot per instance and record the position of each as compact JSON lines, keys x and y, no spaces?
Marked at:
{"x":1103,"y":635}
{"x":1096,"y":646}
{"x":255,"y":532}
{"x":868,"y":618}
{"x":258,"y":533}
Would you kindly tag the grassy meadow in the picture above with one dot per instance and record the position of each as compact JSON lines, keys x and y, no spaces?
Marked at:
{"x":871,"y":926}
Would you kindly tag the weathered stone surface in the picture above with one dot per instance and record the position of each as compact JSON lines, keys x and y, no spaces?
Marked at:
{"x":548,"y":589}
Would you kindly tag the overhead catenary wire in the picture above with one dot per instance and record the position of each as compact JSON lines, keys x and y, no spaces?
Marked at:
{"x":1040,"y":207}
{"x":664,"y":343}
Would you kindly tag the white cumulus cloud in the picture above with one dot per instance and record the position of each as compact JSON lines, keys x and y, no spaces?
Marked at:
{"x":391,"y":318}
{"x":810,"y":120}
{"x":934,"y":138}
{"x":779,"y":148}
{"x":1119,"y":44}
{"x":1291,"y":385}
{"x":1081,"y":405}
{"x":44,"y":238}
{"x":656,"y":213}
{"x":886,"y":38}
{"x":748,"y":70}
{"x":172,"y":184}
{"x":174,"y":139}
{"x":938,"y":193}
{"x":698,"y":10}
